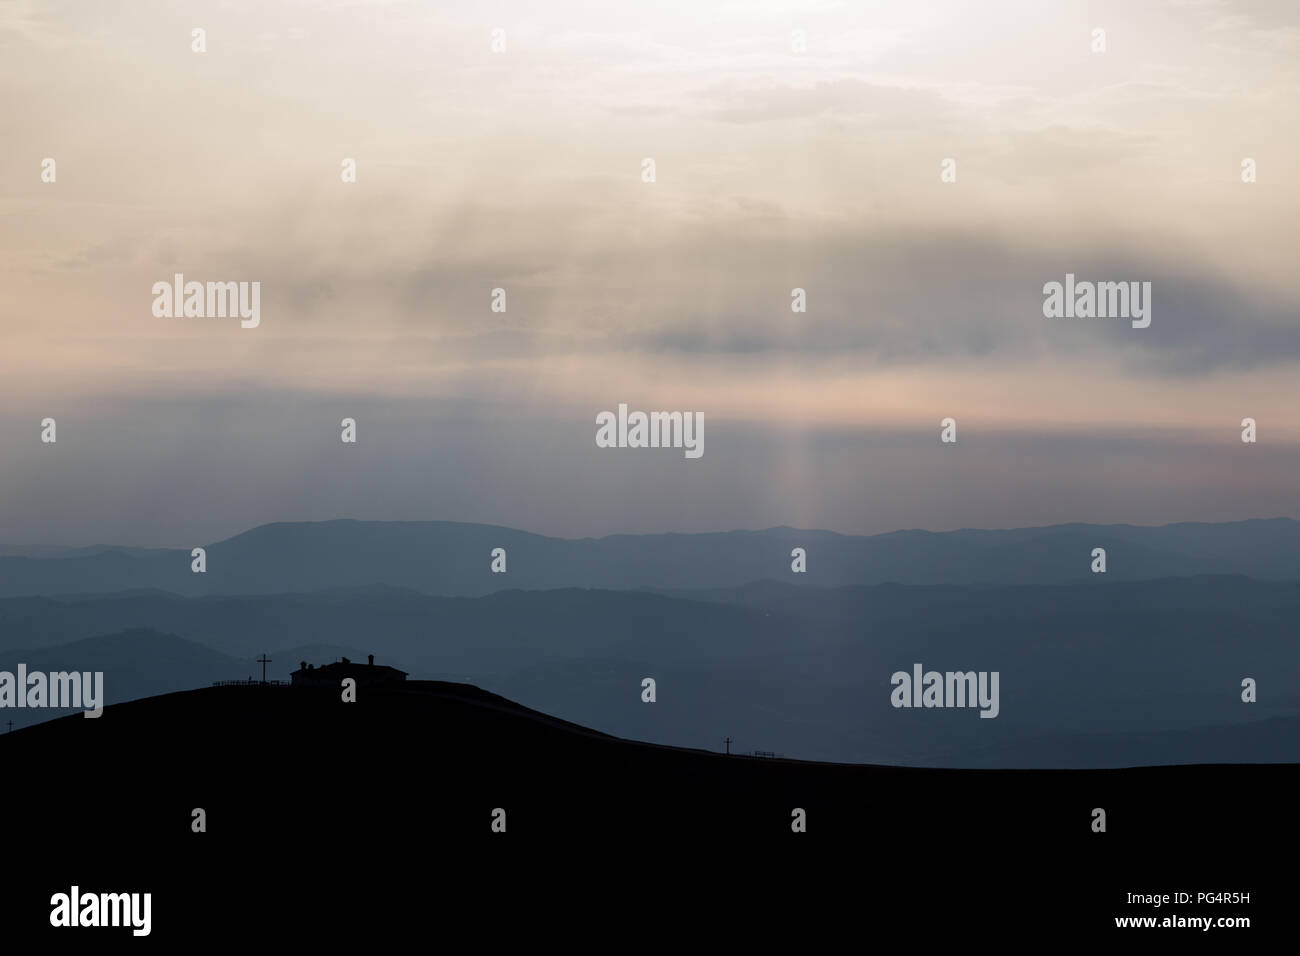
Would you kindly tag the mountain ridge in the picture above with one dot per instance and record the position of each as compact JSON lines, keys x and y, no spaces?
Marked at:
{"x":456,"y":559}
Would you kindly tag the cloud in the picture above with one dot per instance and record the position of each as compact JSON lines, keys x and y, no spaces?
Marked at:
{"x":775,"y":172}
{"x":881,"y":106}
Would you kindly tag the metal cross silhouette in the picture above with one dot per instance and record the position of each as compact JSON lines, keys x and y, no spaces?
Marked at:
{"x":263,"y":660}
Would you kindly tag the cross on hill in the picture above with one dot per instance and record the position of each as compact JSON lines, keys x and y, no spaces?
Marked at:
{"x":263,"y":660}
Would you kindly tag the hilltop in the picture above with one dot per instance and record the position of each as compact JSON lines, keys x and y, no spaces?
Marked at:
{"x":304,"y":794}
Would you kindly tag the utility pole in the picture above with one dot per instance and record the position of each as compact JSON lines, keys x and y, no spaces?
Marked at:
{"x":727,"y":741}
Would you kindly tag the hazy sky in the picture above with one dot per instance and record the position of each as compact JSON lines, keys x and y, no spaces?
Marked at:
{"x":522,"y":170}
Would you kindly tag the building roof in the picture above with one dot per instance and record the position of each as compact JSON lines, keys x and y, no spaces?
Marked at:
{"x":347,"y":668}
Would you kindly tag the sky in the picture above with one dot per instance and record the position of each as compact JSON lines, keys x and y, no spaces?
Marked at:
{"x":522,"y":169}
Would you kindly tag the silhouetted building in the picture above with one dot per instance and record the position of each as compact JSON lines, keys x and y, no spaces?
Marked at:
{"x":332,"y":675}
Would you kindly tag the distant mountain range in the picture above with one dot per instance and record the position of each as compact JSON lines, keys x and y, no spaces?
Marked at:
{"x":453,"y":559}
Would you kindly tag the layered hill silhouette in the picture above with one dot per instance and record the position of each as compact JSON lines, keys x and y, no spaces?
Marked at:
{"x":449,"y":558}
{"x":1263,"y":741}
{"x":801,"y":671}
{"x":306,"y":798}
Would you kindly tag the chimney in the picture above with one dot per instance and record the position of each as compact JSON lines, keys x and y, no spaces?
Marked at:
{"x":371,"y":662}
